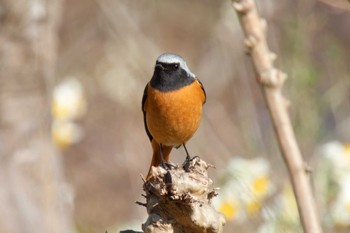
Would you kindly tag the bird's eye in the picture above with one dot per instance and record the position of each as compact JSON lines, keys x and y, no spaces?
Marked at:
{"x":176,"y":66}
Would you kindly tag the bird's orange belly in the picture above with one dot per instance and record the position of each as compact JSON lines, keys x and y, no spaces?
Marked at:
{"x":174,"y":116}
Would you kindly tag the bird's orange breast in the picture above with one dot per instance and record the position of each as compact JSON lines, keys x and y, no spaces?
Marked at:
{"x":173,"y":117}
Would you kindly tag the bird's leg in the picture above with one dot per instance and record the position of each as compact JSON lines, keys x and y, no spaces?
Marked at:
{"x":188,"y":158}
{"x":162,"y":160}
{"x":165,"y":165}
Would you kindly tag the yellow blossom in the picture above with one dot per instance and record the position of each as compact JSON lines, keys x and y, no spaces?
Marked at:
{"x":260,"y":185}
{"x":68,"y":101}
{"x":253,"y":207}
{"x":229,"y":209}
{"x":346,"y":148}
{"x":65,"y":133}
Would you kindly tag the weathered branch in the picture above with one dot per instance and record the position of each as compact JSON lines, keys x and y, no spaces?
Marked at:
{"x":271,"y":80}
{"x":179,"y":201}
{"x":34,"y":196}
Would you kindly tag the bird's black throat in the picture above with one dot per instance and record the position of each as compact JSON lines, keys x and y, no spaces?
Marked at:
{"x":169,"y":80}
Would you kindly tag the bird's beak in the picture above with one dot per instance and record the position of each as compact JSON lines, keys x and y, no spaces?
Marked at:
{"x":159,"y":66}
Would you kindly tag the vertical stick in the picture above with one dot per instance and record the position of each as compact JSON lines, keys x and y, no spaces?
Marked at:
{"x":33,"y":193}
{"x":271,"y":81}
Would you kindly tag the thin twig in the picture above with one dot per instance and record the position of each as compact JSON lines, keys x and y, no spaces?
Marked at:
{"x":271,"y":81}
{"x":141,"y":204}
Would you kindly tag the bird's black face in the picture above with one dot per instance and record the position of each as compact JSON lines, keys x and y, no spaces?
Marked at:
{"x":170,"y":77}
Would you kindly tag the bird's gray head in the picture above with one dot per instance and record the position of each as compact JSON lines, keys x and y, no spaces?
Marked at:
{"x":171,"y":58}
{"x":171,"y":73}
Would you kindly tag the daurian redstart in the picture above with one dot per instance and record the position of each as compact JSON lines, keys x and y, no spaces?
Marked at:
{"x":172,"y":107}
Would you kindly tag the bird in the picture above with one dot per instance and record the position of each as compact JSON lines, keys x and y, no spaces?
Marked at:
{"x":172,"y":107}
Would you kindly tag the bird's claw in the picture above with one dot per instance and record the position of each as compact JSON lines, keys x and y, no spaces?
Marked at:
{"x":187,"y":162}
{"x":167,"y":166}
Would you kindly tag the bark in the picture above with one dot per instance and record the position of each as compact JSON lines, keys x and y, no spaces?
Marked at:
{"x":179,"y":201}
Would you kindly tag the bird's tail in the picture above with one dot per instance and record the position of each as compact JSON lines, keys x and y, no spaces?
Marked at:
{"x":156,"y":159}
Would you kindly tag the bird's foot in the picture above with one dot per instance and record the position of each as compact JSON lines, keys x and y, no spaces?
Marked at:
{"x":187,"y":162}
{"x":167,"y":166}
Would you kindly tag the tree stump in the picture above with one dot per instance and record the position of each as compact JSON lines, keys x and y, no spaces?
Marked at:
{"x":178,"y":200}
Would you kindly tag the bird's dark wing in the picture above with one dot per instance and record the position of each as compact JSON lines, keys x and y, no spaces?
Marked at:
{"x":144,"y":98}
{"x":205,"y":94}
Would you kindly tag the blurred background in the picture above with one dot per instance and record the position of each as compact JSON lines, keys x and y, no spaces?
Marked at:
{"x":72,"y":140}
